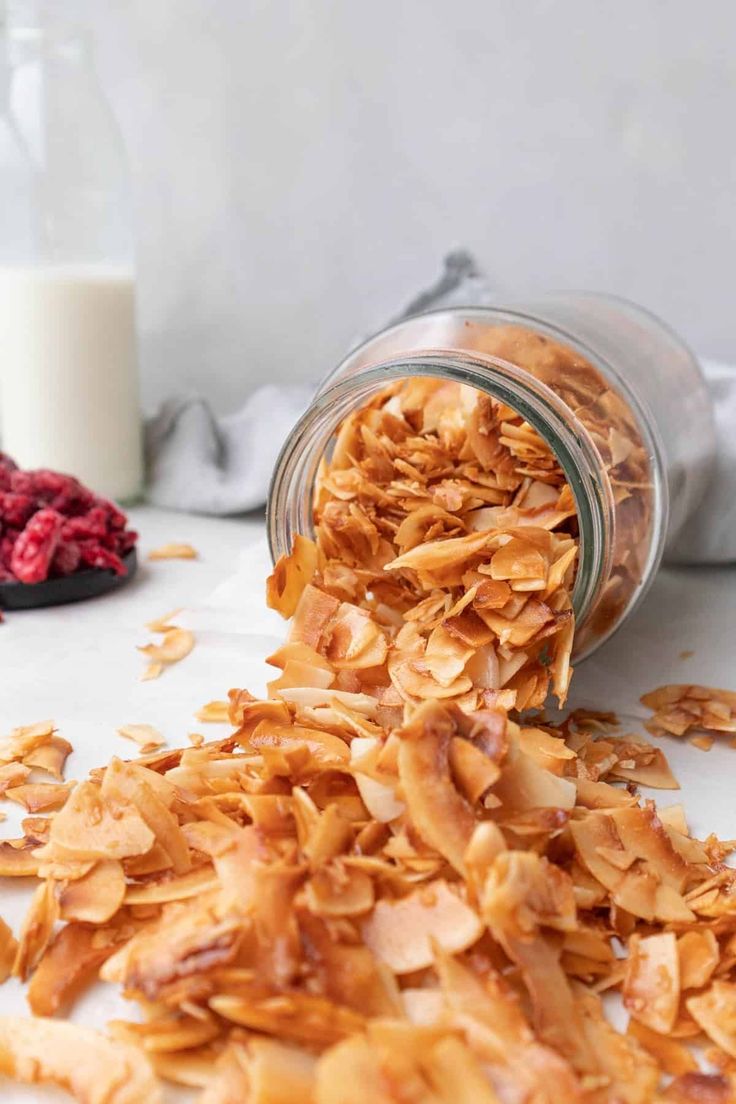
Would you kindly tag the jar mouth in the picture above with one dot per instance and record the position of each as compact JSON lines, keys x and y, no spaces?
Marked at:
{"x":291,"y":492}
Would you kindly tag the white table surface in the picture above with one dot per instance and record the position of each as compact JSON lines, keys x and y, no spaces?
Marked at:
{"x":79,"y":665}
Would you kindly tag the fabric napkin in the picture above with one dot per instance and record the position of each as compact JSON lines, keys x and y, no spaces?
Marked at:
{"x":202,"y":463}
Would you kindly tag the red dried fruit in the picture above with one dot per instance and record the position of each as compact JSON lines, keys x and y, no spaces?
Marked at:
{"x":90,"y":526}
{"x":6,"y":576}
{"x":66,"y":559}
{"x":15,"y":509}
{"x":86,"y":531}
{"x":22,"y":482}
{"x":63,"y":492}
{"x":94,"y":555}
{"x":126,"y":541}
{"x":116,"y":519}
{"x":7,"y":544}
{"x":35,"y":547}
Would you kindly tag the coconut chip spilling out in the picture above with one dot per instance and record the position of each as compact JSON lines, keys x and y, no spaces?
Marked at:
{"x":386,"y":883}
{"x":173,"y":552}
{"x":176,"y":644}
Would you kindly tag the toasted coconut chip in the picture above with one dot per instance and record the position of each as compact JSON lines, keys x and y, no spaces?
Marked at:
{"x":50,"y":757}
{"x":68,"y":965}
{"x":631,"y":1073}
{"x":486,"y":1010}
{"x":95,"y":897}
{"x":698,"y":954}
{"x":700,"y":1088}
{"x":152,"y":671}
{"x":172,"y":888}
{"x":403,"y":933}
{"x":186,"y":938}
{"x":231,"y":1081}
{"x":191,"y":1068}
{"x":299,"y":653}
{"x":379,"y":797}
{"x":162,"y":624}
{"x":524,"y":892}
{"x":279,"y":1072}
{"x":214,"y":712}
{"x":313,"y":698}
{"x":640,"y":762}
{"x":298,"y":674}
{"x":323,"y":747}
{"x":128,"y":782}
{"x":17,"y":858}
{"x":290,"y":575}
{"x":547,"y":751}
{"x":423,"y":1007}
{"x":176,"y":644}
{"x":38,"y":797}
{"x":670,"y":1055}
{"x":337,"y":890}
{"x":651,"y":988}
{"x":647,"y":873}
{"x":355,"y":640}
{"x":8,"y":951}
{"x":715,"y":1012}
{"x":173,"y":552}
{"x":314,"y":612}
{"x":525,"y":785}
{"x":441,"y":555}
{"x":11,"y":775}
{"x":93,"y":826}
{"x":145,"y":735}
{"x":440,"y":814}
{"x":94,"y":1069}
{"x":349,"y":974}
{"x":299,"y":1017}
{"x":171,"y":1034}
{"x":24,"y":740}
{"x":36,"y":929}
{"x":456,"y":1074}
{"x":474,"y":772}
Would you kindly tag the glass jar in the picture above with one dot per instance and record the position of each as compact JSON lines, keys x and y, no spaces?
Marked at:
{"x":68,"y":373}
{"x":616,"y":394}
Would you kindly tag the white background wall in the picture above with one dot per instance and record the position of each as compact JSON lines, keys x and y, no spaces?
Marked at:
{"x":301,"y":167}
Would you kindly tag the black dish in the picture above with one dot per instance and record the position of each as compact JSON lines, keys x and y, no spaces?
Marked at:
{"x":68,"y":588}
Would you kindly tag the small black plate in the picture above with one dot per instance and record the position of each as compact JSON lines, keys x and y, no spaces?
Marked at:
{"x":68,"y":588}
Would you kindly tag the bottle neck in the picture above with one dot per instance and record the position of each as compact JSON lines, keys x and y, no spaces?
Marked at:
{"x":291,"y":494}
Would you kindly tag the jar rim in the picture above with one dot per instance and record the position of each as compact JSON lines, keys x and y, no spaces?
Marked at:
{"x":290,"y":498}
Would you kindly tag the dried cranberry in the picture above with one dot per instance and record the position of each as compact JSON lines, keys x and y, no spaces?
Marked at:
{"x":7,"y":462}
{"x":15,"y":509}
{"x":61,"y":492}
{"x":94,"y":555}
{"x":116,"y":519}
{"x":67,"y":558}
{"x":92,"y":525}
{"x":6,"y":576}
{"x":35,"y":547}
{"x":21,"y":482}
{"x":7,"y":544}
{"x":126,"y":541}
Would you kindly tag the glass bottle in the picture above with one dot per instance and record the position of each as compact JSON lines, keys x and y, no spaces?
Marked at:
{"x":68,"y":378}
{"x":616,"y":394}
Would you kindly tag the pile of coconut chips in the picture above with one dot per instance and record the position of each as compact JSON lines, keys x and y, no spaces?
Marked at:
{"x":391,"y":883}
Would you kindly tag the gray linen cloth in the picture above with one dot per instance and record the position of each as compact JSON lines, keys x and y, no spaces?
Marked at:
{"x":222,"y":465}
